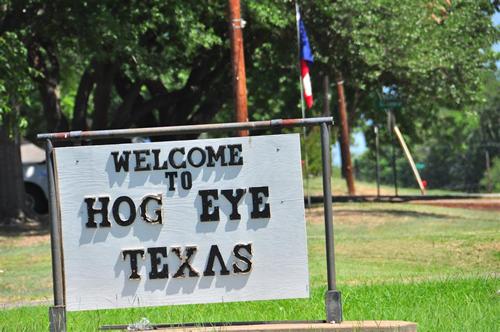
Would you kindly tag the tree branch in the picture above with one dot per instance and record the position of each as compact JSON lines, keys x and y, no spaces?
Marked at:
{"x":105,"y":72}
{"x":48,"y":82}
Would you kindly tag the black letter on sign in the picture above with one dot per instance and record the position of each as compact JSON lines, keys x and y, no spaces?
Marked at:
{"x":235,"y":157}
{"x":122,"y":162}
{"x":91,"y":212}
{"x":234,"y":200}
{"x":186,"y":180}
{"x":171,"y":176}
{"x":203,"y":156}
{"x":257,"y":201}
{"x":171,"y":158}
{"x":212,"y":156}
{"x":116,"y":211}
{"x":133,"y":261}
{"x":155,"y":260}
{"x":209,"y":271}
{"x":140,"y":157}
{"x":247,"y":260}
{"x":207,"y":203}
{"x":156,"y":154}
{"x":189,"y":251}
{"x":144,"y":209}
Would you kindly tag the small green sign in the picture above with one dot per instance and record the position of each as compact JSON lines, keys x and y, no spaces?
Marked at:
{"x":386,"y":104}
{"x":389,"y":99}
{"x":420,"y":166}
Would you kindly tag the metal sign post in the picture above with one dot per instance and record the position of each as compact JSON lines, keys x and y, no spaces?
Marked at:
{"x":391,"y":122}
{"x":377,"y":159}
{"x":332,"y":297}
{"x":58,"y":311}
{"x":389,"y":100}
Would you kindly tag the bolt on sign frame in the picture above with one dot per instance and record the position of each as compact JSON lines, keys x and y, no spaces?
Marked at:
{"x":57,"y":312}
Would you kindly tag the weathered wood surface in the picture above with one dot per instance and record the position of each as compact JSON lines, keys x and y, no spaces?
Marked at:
{"x":350,"y":326}
{"x":97,"y":276}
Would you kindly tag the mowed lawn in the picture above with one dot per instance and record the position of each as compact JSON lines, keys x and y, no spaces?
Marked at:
{"x":436,"y":266}
{"x":339,"y":187}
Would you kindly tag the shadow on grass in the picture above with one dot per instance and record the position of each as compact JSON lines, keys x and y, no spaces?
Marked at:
{"x":28,"y":226}
{"x":393,"y":212}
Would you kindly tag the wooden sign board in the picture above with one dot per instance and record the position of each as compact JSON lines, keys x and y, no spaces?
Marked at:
{"x":182,"y":222}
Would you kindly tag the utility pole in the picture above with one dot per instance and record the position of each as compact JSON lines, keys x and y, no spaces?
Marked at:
{"x":326,"y":96}
{"x":344,"y":138}
{"x":236,"y":25}
{"x":391,"y":122}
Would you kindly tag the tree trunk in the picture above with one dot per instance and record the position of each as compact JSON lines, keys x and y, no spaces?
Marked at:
{"x":56,"y":121}
{"x":344,"y":138}
{"x":82,"y":101}
{"x":11,"y":178}
{"x":102,"y":95}
{"x":131,"y":99}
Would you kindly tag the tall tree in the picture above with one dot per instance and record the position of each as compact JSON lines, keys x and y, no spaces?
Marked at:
{"x":453,"y":148}
{"x":14,"y":91}
{"x":114,"y":64}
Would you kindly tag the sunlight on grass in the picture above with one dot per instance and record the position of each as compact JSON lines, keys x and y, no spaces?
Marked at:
{"x":339,"y":188}
{"x":433,"y":265}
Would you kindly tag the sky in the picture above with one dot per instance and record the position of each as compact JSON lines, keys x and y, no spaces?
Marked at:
{"x":359,"y":144}
{"x":357,"y":148}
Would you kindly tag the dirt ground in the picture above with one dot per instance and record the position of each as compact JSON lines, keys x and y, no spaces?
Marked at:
{"x":478,"y":204}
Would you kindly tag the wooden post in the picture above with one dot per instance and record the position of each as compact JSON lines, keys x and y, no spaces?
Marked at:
{"x":488,"y":172}
{"x":236,"y":25}
{"x":410,"y":159}
{"x":57,"y":319}
{"x":377,"y":152}
{"x":344,"y":138}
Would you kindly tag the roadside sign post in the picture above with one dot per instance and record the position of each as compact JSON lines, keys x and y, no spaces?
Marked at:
{"x":332,"y":298}
{"x":377,"y":160}
{"x":168,"y":247}
{"x":392,"y":123}
{"x":57,"y":313}
{"x":390,"y":101}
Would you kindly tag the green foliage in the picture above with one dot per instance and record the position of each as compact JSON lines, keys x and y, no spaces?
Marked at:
{"x":116,"y":31}
{"x":452,"y":147}
{"x":455,"y":147}
{"x":180,"y":30}
{"x":15,"y":83}
{"x":383,"y":44}
{"x":312,"y":146}
{"x":493,"y":177}
{"x":372,"y":45}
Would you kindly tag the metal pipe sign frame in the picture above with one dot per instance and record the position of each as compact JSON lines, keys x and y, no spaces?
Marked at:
{"x":103,"y":219}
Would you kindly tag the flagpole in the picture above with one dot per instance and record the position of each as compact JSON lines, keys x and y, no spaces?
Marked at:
{"x":298,"y":56}
{"x":302,"y":104}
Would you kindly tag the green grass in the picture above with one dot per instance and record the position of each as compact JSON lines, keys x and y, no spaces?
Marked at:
{"x":25,"y":269}
{"x":445,"y":305}
{"x":432,"y":265}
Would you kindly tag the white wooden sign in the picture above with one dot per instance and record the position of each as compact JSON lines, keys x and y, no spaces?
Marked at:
{"x":200,"y":221}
